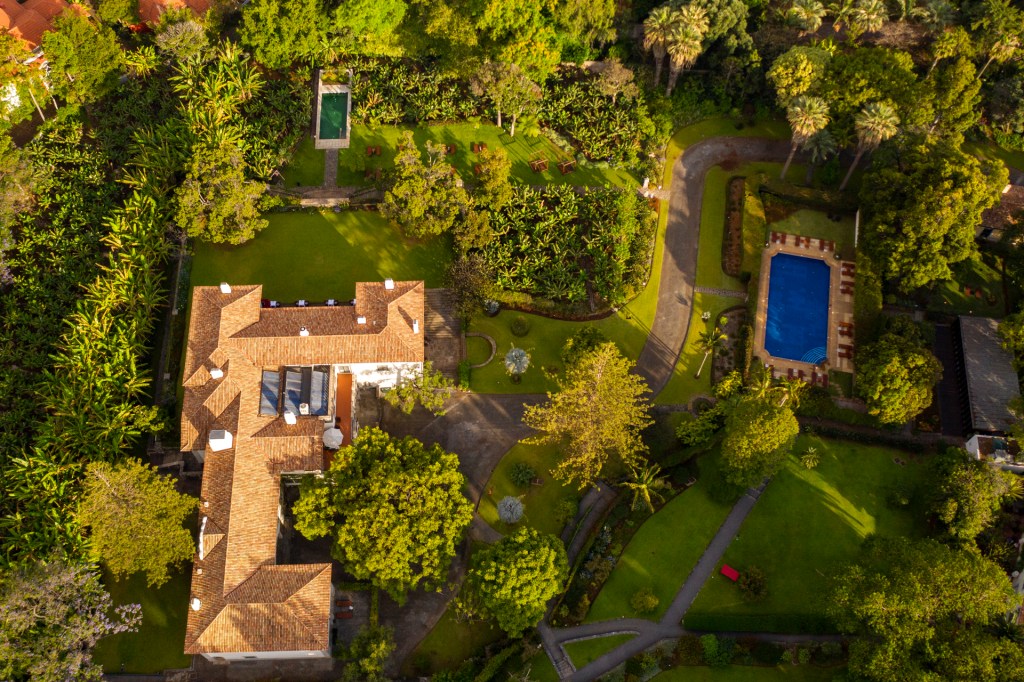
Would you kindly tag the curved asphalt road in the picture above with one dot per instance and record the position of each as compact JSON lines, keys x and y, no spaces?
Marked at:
{"x":656,"y":363}
{"x":658,"y":359}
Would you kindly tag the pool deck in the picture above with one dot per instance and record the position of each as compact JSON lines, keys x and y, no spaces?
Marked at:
{"x":840,"y":307}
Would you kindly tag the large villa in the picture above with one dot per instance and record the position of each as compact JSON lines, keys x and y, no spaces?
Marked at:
{"x":267,"y":391}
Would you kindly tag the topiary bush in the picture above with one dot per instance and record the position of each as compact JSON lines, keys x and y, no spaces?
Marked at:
{"x":520,"y":326}
{"x":521,"y":474}
{"x":510,"y":509}
{"x":717,"y":651}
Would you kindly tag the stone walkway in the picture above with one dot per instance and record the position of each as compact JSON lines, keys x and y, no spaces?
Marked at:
{"x":742,"y":295}
{"x":658,"y":359}
{"x":648,"y":633}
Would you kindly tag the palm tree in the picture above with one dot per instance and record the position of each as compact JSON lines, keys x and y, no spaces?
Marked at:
{"x":708,"y":341}
{"x":806,"y":14}
{"x":684,"y":46}
{"x":692,"y":17}
{"x":875,"y":124}
{"x":810,"y":458}
{"x":869,"y":15}
{"x":657,"y":27}
{"x":645,"y":482}
{"x":842,"y":11}
{"x":807,"y":116}
{"x":791,"y":390}
{"x":908,"y":9}
{"x":820,"y":146}
{"x":517,"y":361}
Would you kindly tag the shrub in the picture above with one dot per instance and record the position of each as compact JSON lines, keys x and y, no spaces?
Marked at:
{"x":510,"y":509}
{"x":644,"y":601}
{"x":582,"y":342}
{"x":810,"y":458}
{"x":689,"y":651}
{"x":753,"y":584}
{"x":520,"y":326}
{"x":803,"y":655}
{"x":521,"y":474}
{"x":830,"y":651}
{"x":465,"y":371}
{"x":717,"y":651}
{"x":565,"y":511}
{"x":582,"y":607}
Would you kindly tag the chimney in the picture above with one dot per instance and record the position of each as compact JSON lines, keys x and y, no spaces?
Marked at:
{"x":216,"y":373}
{"x":225,"y":288}
{"x":196,"y":603}
{"x":220,"y":440}
{"x":304,"y":409}
{"x":389,"y":284}
{"x":303,"y":331}
{"x":360,"y":320}
{"x":289,"y":418}
{"x":415,"y":326}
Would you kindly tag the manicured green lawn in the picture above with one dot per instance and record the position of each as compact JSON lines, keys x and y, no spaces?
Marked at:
{"x":664,"y":550}
{"x":160,"y":642}
{"x":317,"y":256}
{"x":746,"y":673}
{"x":588,"y":650}
{"x":306,"y":166}
{"x":951,"y":296}
{"x":988,"y":150}
{"x":451,"y":643}
{"x":477,"y":350}
{"x":541,"y":501}
{"x":755,"y":228}
{"x":541,"y":668}
{"x":353,"y":162}
{"x":805,"y":527}
{"x":811,"y":223}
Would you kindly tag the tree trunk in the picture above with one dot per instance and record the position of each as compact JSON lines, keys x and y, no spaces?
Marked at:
{"x":789,"y":160}
{"x":499,"y":116}
{"x":657,"y":68}
{"x":33,"y":96}
{"x":809,"y":175}
{"x":986,"y":66}
{"x":512,"y":132}
{"x":849,"y":173}
{"x":701,"y":368}
{"x":935,"y":62}
{"x":673,"y":75}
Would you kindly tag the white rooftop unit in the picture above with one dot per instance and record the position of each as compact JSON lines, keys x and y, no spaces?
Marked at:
{"x":303,"y":331}
{"x":289,"y":418}
{"x":225,"y":288}
{"x":216,"y":373}
{"x":220,"y":440}
{"x":304,"y":409}
{"x":389,"y":284}
{"x":360,"y":320}
{"x":415,"y":326}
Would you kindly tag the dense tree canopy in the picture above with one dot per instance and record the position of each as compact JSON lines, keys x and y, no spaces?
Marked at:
{"x":280,"y":32}
{"x":84,"y":59}
{"x":51,"y":617}
{"x":897,"y":372}
{"x":513,"y":580}
{"x":136,"y":518}
{"x":923,"y":610}
{"x":759,"y":433}
{"x":424,"y":198}
{"x":967,"y":492}
{"x":394,"y":508}
{"x":922,"y":203}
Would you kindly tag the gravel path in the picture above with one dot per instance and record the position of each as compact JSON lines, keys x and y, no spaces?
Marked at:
{"x":679,"y":265}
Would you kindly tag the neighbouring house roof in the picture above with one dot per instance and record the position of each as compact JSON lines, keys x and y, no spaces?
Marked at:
{"x":991,"y":379}
{"x":29,"y":21}
{"x":247,"y":602}
{"x":150,"y":10}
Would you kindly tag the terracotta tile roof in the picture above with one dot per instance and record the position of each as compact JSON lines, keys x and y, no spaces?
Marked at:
{"x":150,"y":10}
{"x":31,"y":20}
{"x":246,"y":601}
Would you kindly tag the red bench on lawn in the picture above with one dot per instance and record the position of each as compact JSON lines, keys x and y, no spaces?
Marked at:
{"x":730,"y":572}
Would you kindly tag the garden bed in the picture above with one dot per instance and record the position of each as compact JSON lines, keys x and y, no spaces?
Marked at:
{"x":732,"y":241}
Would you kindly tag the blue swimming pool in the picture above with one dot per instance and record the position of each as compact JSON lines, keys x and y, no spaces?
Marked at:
{"x":796,"y":326}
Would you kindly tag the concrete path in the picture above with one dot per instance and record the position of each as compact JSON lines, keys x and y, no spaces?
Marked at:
{"x":648,"y":632}
{"x":658,"y":359}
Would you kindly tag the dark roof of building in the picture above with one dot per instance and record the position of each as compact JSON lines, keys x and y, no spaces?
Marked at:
{"x":991,"y":379}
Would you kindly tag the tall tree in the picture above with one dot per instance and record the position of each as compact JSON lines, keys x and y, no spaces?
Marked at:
{"x":657,"y":28}
{"x":282,"y":32}
{"x":136,"y":518}
{"x":875,"y":124}
{"x":684,"y":41}
{"x":896,"y":373}
{"x":709,"y":341}
{"x":800,"y":70}
{"x":1000,"y":30}
{"x":807,"y":117}
{"x":118,"y":11}
{"x":921,"y":208}
{"x":646,"y":482}
{"x":216,"y":202}
{"x":51,"y":617}
{"x":598,"y":411}
{"x":955,"y":42}
{"x":821,"y":146}
{"x":493,"y":189}
{"x":616,"y":79}
{"x":968,"y":493}
{"x":588,"y":21}
{"x":513,"y":580}
{"x":868,"y":16}
{"x":509,"y":90}
{"x":394,"y":509}
{"x":368,"y":652}
{"x":924,"y":612}
{"x":427,"y":387}
{"x":806,"y":14}
{"x":84,"y":59}
{"x":759,"y":433}
{"x":425,"y":198}
{"x":957,"y":98}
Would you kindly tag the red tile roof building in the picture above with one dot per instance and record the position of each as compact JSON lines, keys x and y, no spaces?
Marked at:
{"x":243,"y":603}
{"x":31,"y":19}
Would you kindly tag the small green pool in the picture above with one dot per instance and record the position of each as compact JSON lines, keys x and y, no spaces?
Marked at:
{"x":333,"y":115}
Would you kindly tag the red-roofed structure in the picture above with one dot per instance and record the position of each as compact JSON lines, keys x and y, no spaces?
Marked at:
{"x":31,"y":20}
{"x":730,"y":572}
